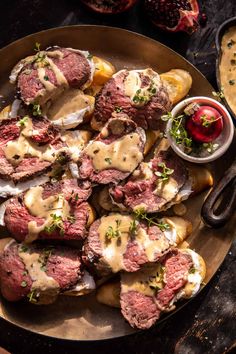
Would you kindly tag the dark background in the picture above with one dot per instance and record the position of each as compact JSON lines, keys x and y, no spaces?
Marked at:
{"x":208,"y":323}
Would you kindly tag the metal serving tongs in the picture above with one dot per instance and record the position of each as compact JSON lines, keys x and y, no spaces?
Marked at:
{"x":217,"y":200}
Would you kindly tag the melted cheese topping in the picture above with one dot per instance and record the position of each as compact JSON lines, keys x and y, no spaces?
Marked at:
{"x":166,"y":189}
{"x":228,"y":67}
{"x":42,"y":283}
{"x":44,"y":208}
{"x":133,"y":85}
{"x":123,"y":154}
{"x":115,"y":247}
{"x":143,"y":281}
{"x":16,"y":150}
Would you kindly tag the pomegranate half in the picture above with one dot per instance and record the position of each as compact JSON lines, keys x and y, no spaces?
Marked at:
{"x":174,"y":15}
{"x":109,"y":6}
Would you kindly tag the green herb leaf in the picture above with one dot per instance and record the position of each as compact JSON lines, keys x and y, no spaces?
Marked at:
{"x":166,"y":117}
{"x":140,"y":214}
{"x":56,"y":223}
{"x":46,"y":78}
{"x":219,"y":94}
{"x":23,"y":248}
{"x":192,"y":270}
{"x":37,"y":110}
{"x":108,"y":160}
{"x":24,"y":284}
{"x":165,"y":173}
{"x":37,"y":47}
{"x":22,"y":122}
{"x":231,"y":82}
{"x":90,"y":56}
{"x":32,"y":296}
{"x":118,"y":109}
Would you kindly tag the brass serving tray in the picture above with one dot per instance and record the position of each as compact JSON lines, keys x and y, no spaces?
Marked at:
{"x":83,"y":318}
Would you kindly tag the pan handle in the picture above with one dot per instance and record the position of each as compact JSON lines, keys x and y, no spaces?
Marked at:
{"x":208,"y":212}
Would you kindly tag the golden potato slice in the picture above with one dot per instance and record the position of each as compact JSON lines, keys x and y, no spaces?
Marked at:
{"x":201,"y":178}
{"x":182,"y":226}
{"x":4,"y":114}
{"x":109,"y":294}
{"x":103,"y":71}
{"x":151,"y":138}
{"x":178,"y":83}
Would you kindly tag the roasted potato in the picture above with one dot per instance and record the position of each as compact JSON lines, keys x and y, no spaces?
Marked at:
{"x":178,"y":83}
{"x":109,"y":294}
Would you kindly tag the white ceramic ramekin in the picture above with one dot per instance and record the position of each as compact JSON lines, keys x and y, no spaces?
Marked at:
{"x":226,"y":135}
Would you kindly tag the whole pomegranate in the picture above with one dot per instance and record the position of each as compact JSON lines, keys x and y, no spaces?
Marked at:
{"x":109,"y":6}
{"x":205,"y":125}
{"x":173,"y":15}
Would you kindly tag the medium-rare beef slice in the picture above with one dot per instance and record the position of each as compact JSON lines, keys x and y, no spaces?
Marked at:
{"x":38,"y":272}
{"x":115,"y":152}
{"x":52,"y":211}
{"x":46,"y":74}
{"x":137,"y":93}
{"x":122,"y":242}
{"x":9,"y":130}
{"x":28,"y":147}
{"x":152,"y":185}
{"x":154,"y":289}
{"x":30,"y":167}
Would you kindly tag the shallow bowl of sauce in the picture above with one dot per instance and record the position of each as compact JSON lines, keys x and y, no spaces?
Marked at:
{"x":226,"y":64}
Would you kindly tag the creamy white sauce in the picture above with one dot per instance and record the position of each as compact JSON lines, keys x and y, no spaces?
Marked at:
{"x":44,"y":208}
{"x":123,"y":154}
{"x":44,"y":285}
{"x":115,"y":246}
{"x":133,"y":85}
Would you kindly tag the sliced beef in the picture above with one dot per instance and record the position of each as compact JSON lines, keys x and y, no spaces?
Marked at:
{"x":17,"y":216}
{"x":144,"y":107}
{"x":30,"y":167}
{"x":39,"y":135}
{"x":146,"y":294}
{"x":9,"y":130}
{"x":115,"y":152}
{"x":153,"y":185}
{"x":12,"y":274}
{"x":43,"y":131}
{"x":47,"y":73}
{"x":122,"y":242}
{"x":61,"y":264}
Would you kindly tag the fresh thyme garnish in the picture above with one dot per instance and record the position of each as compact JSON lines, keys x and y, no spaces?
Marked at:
{"x":138,"y":98}
{"x":113,"y":233}
{"x":210,"y":147}
{"x":37,"y":47}
{"x":133,"y":228}
{"x":192,"y":270}
{"x":219,"y":94}
{"x":178,"y":132}
{"x":140,"y":214}
{"x":32,"y":296}
{"x":37,"y":110}
{"x":23,"y":248}
{"x":165,"y":173}
{"x":118,"y":109}
{"x":166,"y":117}
{"x":24,"y":284}
{"x":108,"y":160}
{"x":46,"y":78}
{"x":206,"y":122}
{"x":90,"y":56}
{"x":56,"y":223}
{"x":22,"y":122}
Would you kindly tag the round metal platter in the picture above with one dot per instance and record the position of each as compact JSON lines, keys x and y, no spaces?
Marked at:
{"x":83,"y":318}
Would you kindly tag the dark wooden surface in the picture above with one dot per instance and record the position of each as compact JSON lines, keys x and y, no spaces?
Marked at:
{"x":208,"y":323}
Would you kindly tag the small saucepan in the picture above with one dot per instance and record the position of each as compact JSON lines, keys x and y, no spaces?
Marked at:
{"x":218,"y":40}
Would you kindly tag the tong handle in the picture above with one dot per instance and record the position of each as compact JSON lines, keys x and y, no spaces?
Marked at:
{"x":208,"y":210}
